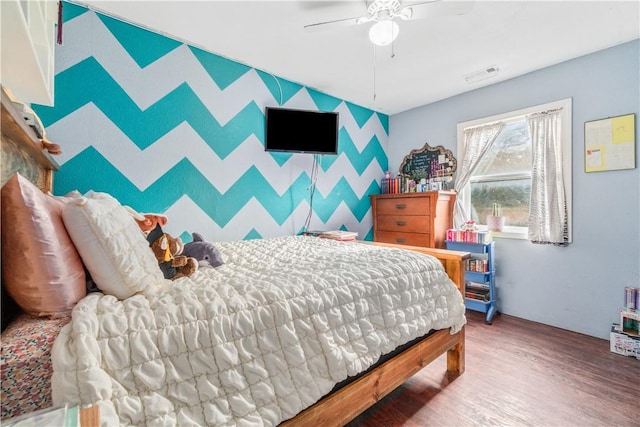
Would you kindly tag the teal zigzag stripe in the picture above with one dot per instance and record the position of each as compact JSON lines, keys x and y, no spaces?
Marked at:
{"x":359,"y":160}
{"x":89,"y":82}
{"x":323,"y":101}
{"x":384,"y":119}
{"x":342,"y":192}
{"x":144,"y":46}
{"x":253,"y":234}
{"x":360,"y":114}
{"x":282,"y":90}
{"x":223,"y":71}
{"x":70,"y":11}
{"x":89,"y":170}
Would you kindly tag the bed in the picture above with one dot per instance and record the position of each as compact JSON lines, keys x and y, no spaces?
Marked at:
{"x":301,"y":330}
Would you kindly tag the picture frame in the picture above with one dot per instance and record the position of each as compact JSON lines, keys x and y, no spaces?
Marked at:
{"x":610,"y":144}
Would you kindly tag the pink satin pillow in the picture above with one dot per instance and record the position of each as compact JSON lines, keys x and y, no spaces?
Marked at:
{"x":41,"y":268}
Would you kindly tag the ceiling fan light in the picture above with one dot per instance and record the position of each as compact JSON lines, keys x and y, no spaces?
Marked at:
{"x":383,"y":32}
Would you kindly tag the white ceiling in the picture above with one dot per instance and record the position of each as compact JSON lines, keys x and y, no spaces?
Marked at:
{"x":432,"y":55}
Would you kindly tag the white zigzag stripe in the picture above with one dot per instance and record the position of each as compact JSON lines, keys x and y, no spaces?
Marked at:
{"x":173,"y":69}
{"x":186,"y":216}
{"x":144,"y":167}
{"x":362,"y":136}
{"x":342,"y":167}
{"x":343,"y":216}
{"x":180,"y":66}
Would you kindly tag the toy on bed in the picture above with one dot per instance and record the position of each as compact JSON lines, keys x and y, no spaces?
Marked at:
{"x":166,"y":248}
{"x":206,"y":254}
{"x":168,"y":252}
{"x":147,"y":222}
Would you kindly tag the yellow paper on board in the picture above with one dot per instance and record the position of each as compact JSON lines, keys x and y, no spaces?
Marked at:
{"x":622,"y":129}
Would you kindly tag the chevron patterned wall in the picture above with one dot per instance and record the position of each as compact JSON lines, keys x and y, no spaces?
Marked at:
{"x":169,"y":128}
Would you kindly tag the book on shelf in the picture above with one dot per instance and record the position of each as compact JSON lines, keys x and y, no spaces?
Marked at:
{"x":477,"y":265}
{"x":339,"y":235}
{"x":469,"y":236}
{"x":477,"y":285}
{"x":480,"y":295}
{"x":397,"y":185}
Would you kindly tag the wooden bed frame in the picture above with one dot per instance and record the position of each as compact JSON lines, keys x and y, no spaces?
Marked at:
{"x":342,"y":406}
{"x":23,"y":152}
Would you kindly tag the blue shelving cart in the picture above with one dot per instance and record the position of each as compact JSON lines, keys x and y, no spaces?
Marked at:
{"x":485,"y":251}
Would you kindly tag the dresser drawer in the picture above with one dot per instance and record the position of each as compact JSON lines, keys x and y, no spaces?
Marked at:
{"x":405,"y":223}
{"x":404,"y":206}
{"x":413,"y":239}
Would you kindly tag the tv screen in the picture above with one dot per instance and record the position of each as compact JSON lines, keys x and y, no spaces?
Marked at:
{"x":301,"y":131}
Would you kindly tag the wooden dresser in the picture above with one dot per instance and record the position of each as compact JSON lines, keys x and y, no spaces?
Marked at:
{"x":417,"y":219}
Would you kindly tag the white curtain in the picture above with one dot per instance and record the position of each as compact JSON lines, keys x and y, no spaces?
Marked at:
{"x":477,"y":141}
{"x":548,"y":220}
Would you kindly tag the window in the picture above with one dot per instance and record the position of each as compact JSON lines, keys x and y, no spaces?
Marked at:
{"x":503,"y":176}
{"x":503,"y":171}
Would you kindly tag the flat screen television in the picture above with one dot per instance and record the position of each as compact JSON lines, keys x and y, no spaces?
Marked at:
{"x":301,"y":131}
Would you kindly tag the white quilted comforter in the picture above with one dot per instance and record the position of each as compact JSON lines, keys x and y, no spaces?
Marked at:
{"x":254,"y":341}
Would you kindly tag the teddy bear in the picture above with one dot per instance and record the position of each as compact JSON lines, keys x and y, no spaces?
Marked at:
{"x":168,"y":252}
{"x":206,"y":254}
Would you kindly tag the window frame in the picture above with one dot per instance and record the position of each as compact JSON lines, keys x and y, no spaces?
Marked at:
{"x":512,"y":232}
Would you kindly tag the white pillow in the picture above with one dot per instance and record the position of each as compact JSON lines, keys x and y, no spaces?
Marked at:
{"x":111,"y":245}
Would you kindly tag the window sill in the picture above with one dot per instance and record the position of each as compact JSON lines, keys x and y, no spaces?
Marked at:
{"x":518,"y":233}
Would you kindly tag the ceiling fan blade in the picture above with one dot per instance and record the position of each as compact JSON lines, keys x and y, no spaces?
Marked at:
{"x":430,"y":9}
{"x":321,"y":26}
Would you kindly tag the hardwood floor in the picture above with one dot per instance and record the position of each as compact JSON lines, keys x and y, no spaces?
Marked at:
{"x":518,"y":373}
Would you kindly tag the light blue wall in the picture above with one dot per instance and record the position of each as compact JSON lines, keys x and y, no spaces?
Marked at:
{"x":169,"y":128}
{"x":580,"y":287}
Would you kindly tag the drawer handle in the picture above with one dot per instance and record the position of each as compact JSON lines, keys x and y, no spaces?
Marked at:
{"x":400,"y":240}
{"x":401,"y":223}
{"x":401,"y":206}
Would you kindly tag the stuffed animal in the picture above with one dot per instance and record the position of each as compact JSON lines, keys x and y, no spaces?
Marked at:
{"x":150,"y":221}
{"x":168,"y":252}
{"x":206,"y":254}
{"x":147,"y":222}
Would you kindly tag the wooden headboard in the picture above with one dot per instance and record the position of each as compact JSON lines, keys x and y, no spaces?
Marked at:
{"x":22,"y":152}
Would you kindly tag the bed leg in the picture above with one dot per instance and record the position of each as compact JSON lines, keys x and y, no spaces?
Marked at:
{"x":455,"y":357}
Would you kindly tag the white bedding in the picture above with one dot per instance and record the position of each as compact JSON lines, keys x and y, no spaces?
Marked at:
{"x":254,"y":341}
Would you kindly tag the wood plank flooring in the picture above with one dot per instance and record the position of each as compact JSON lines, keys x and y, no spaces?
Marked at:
{"x":518,"y":373}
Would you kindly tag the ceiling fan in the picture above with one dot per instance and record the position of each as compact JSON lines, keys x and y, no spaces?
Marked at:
{"x":384,"y":13}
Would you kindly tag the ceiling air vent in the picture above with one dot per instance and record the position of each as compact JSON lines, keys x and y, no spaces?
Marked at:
{"x":483,"y":74}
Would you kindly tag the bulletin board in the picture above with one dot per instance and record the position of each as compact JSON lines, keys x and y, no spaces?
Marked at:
{"x":431,"y":163}
{"x":610,"y":144}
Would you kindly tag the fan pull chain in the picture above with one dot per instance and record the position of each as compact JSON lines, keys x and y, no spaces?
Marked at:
{"x":374,"y":72}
